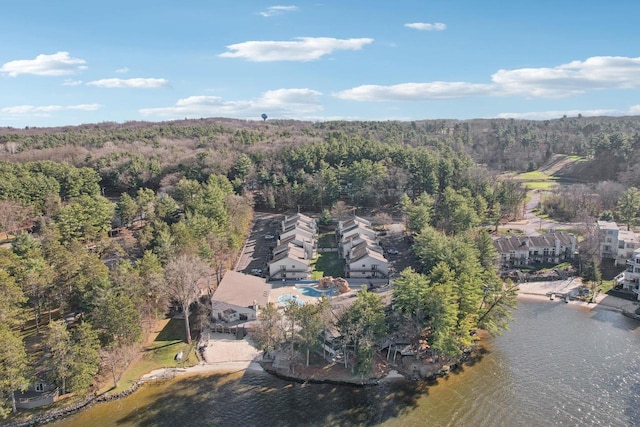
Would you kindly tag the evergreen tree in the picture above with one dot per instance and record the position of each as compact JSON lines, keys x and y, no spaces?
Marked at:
{"x":13,"y":368}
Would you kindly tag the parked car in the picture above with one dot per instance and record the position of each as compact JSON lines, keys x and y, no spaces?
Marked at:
{"x":256,"y":271}
{"x":269,"y":237}
{"x":392,"y":251}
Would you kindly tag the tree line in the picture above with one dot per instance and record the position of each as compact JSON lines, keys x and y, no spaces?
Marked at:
{"x":92,"y":275}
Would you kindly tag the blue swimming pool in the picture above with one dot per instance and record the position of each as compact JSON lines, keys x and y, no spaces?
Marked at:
{"x":290,"y":298}
{"x":315,"y":293}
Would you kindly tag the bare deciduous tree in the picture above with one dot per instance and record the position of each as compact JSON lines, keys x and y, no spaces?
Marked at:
{"x":14,"y":216}
{"x":185,"y":278}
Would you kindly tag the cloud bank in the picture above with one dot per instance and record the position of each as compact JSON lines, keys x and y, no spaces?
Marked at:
{"x":423,"y":26}
{"x":57,"y":64}
{"x":277,"y":10}
{"x":130,"y":83}
{"x":290,"y":103}
{"x":301,"y":49}
{"x":574,"y":78}
{"x":44,"y":109}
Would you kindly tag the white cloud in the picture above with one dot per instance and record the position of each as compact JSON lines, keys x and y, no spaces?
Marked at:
{"x":423,"y":26}
{"x":290,"y":103}
{"x":415,"y":91}
{"x":122,"y":70}
{"x":301,"y":49}
{"x":71,"y":82}
{"x":130,"y":83}
{"x":574,"y":78}
{"x":57,"y":64}
{"x":45,"y":109}
{"x":277,"y":10}
{"x":548,"y":115}
{"x":634,"y":110}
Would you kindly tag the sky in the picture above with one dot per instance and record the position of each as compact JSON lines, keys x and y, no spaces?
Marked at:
{"x":71,"y":62}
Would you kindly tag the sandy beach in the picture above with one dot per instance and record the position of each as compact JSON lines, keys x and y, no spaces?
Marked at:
{"x":223,"y":353}
{"x":542,"y":290}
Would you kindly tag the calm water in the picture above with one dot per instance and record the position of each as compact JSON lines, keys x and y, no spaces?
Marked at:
{"x":559,"y":365}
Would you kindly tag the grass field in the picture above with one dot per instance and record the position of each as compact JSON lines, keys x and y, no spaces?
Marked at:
{"x":159,"y":353}
{"x":537,"y":180}
{"x":327,"y":264}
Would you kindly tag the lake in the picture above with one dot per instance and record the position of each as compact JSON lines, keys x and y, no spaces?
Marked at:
{"x":560,"y":364}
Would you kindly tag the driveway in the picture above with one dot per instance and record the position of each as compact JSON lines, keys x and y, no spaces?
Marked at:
{"x":533,"y":225}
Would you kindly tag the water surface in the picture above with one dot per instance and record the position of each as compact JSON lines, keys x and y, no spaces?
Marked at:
{"x":560,"y":364}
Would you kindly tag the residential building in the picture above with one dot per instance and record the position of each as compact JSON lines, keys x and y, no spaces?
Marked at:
{"x":630,"y":278}
{"x":239,"y":297}
{"x":291,"y":263}
{"x":615,"y":243}
{"x":366,"y":261}
{"x":552,"y":248}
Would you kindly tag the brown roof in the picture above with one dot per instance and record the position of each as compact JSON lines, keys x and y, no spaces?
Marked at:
{"x":242,"y":290}
{"x":515,"y":243}
{"x":294,"y":252}
{"x":362,"y":251}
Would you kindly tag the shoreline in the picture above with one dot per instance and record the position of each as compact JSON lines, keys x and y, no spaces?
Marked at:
{"x":540,"y":291}
{"x":253,"y":362}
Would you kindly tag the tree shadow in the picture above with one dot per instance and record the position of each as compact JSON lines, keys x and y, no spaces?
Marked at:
{"x":172,"y":331}
{"x":260,"y":399}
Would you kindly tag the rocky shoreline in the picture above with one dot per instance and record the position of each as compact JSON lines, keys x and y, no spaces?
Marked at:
{"x":56,"y":414}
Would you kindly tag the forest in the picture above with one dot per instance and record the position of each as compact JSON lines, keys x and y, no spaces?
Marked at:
{"x":117,"y":224}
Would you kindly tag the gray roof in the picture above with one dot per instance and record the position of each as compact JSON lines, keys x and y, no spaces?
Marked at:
{"x":242,"y":290}
{"x":515,"y":243}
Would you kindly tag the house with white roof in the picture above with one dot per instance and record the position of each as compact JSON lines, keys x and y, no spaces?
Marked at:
{"x":239,"y":297}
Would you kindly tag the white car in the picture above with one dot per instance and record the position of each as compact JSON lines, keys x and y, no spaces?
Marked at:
{"x":269,"y":237}
{"x":256,"y":271}
{"x":392,"y":251}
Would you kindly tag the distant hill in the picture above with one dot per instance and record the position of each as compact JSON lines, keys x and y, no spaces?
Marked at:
{"x":609,"y":144}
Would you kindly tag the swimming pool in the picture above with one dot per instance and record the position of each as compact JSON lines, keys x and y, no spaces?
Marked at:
{"x":315,"y":293}
{"x":290,"y":298}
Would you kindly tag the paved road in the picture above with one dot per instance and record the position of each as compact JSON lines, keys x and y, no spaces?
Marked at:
{"x":533,"y":225}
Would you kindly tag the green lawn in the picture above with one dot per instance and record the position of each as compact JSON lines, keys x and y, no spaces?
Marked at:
{"x":538,"y":185}
{"x":160,"y":353}
{"x":533,"y":176}
{"x":327,"y":264}
{"x":327,"y":240}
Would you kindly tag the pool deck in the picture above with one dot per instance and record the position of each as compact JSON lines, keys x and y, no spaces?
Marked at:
{"x":283,"y":290}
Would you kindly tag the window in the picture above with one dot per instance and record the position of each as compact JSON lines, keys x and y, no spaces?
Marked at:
{"x":364,"y":265}
{"x":374,"y":266}
{"x":283,"y":268}
{"x":293,"y":266}
{"x":39,"y":387}
{"x":546,"y":251}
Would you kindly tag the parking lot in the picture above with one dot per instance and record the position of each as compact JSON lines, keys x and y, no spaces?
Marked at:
{"x":263,"y":238}
{"x":261,"y":241}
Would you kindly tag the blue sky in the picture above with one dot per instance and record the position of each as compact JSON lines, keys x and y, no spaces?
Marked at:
{"x":69,"y":62}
